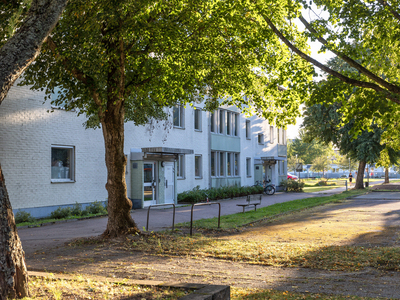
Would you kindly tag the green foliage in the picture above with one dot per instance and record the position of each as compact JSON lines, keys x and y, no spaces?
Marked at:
{"x":95,"y":208}
{"x":200,"y":195}
{"x":320,"y":164}
{"x":76,"y":210}
{"x":23,"y":216}
{"x":61,"y":213}
{"x":307,"y":151}
{"x":292,"y":185}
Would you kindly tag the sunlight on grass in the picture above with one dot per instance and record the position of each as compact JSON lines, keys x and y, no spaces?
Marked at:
{"x":250,"y":294}
{"x":84,"y":288}
{"x":239,"y":219}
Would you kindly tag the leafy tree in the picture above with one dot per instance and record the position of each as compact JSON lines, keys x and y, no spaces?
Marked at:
{"x":118,"y":61}
{"x":346,"y":163}
{"x":321,"y":164}
{"x":25,"y":25}
{"x":292,"y":162}
{"x":306,"y":151}
{"x":364,"y":36}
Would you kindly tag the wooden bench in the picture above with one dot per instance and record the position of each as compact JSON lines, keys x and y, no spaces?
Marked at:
{"x":252,"y":200}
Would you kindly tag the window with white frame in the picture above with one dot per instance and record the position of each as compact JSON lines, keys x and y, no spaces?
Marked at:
{"x":62,"y":163}
{"x":212,"y":122}
{"x":260,"y":138}
{"x":248,"y":167}
{"x":229,"y":159}
{"x":271,"y":134}
{"x":218,"y":163}
{"x":181,"y":166}
{"x":213,"y":163}
{"x":236,"y":164}
{"x":178,"y":116}
{"x":248,"y":129}
{"x":198,"y":166}
{"x":197,"y":119}
{"x":221,"y":164}
{"x":221,"y":121}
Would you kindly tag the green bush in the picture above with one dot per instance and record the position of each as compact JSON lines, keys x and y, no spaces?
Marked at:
{"x":95,"y":208}
{"x":76,"y":210}
{"x":200,"y":195}
{"x":61,"y":213}
{"x":23,"y":216}
{"x":291,"y":185}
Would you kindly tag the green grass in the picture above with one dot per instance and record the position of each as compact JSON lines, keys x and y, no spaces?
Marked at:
{"x":310,"y":189}
{"x":38,"y":222}
{"x":239,"y":219}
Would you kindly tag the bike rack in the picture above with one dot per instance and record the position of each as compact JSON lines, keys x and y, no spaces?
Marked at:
{"x":173,"y":217}
{"x":198,"y":204}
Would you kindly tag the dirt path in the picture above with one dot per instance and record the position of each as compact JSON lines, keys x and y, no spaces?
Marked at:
{"x":364,"y":222}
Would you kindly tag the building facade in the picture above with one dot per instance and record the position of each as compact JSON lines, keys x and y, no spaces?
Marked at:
{"x":50,"y":160}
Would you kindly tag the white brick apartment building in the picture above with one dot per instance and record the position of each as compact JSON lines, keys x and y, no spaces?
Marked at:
{"x":49,"y":159}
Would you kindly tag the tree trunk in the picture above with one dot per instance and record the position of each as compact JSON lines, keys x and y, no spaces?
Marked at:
{"x":24,"y":46}
{"x":13,"y":273}
{"x":119,"y":206}
{"x":360,"y":176}
{"x":386,"y":175}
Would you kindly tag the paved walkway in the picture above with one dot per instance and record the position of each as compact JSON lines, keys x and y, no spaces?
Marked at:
{"x":55,"y":235}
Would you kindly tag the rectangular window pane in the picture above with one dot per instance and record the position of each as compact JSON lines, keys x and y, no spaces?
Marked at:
{"x":181,"y":166}
{"x":197,"y":166}
{"x":228,"y":123}
{"x":235,"y":124}
{"x":221,"y":164}
{"x":221,"y":121}
{"x":177,"y":116}
{"x":62,"y":163}
{"x":228,"y":164}
{"x":213,"y":164}
{"x":236,"y":164}
{"x":212,"y":119}
{"x":248,"y":166}
{"x":197,"y":120}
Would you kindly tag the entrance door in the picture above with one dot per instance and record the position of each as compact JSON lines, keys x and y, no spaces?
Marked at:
{"x":149,"y":183}
{"x":169,"y":191}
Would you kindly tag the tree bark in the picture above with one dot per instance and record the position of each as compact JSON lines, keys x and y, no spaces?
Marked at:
{"x":24,"y":46}
{"x":386,"y":175}
{"x":13,"y":273}
{"x":119,"y":206}
{"x":360,"y":176}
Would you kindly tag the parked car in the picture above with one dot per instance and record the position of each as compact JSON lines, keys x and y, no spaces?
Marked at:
{"x":291,"y":176}
{"x":343,"y":176}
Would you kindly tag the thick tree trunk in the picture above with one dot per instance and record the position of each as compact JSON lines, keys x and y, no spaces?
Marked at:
{"x":13,"y":273}
{"x":386,"y":175}
{"x":360,"y":176}
{"x":24,"y":46}
{"x":119,"y":206}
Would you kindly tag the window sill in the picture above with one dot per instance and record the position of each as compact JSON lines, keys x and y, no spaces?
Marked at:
{"x":62,"y":181}
{"x":180,"y":178}
{"x":178,"y":127}
{"x":198,"y":178}
{"x":198,"y":130}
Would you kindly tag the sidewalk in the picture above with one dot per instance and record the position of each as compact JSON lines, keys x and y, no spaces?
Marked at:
{"x":34,"y":239}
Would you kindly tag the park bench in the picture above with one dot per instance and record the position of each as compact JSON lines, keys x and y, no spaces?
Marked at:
{"x":252,"y":200}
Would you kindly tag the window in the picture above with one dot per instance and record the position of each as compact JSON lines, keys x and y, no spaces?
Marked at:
{"x":229,"y":164}
{"x":236,"y":162}
{"x":260,"y":138}
{"x":278,"y":131}
{"x":212,"y":122}
{"x":221,"y":164}
{"x":213,"y":163}
{"x":181,"y":166}
{"x":197,"y":166}
{"x":235,"y":124}
{"x":197,"y":119}
{"x":228,"y":123}
{"x":248,"y":167}
{"x":62,"y":163}
{"x":271,"y":134}
{"x":221,"y":118}
{"x":179,"y":116}
{"x":248,"y":129}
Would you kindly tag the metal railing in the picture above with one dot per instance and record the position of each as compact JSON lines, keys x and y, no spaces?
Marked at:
{"x":173,"y":217}
{"x":198,"y":204}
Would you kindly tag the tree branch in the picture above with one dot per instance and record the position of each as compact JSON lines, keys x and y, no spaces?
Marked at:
{"x":328,"y":70}
{"x":390,"y":87}
{"x":394,"y":13}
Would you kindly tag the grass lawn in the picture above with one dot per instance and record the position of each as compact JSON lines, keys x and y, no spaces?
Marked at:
{"x":239,"y":219}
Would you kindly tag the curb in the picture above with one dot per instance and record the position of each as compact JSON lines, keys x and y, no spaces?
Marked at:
{"x":202,"y":291}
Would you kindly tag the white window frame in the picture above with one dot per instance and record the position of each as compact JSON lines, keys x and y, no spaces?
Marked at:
{"x":181,"y":116}
{"x":248,"y":166}
{"x":248,"y":129}
{"x":220,"y":160}
{"x":199,"y":167}
{"x":180,"y":167}
{"x":221,"y":121}
{"x":260,"y":139}
{"x":229,"y":164}
{"x":214,"y":160}
{"x":197,"y":115}
{"x":236,"y":164}
{"x":59,"y":171}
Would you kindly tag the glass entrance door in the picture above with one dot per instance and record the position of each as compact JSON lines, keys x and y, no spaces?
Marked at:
{"x":149,"y":183}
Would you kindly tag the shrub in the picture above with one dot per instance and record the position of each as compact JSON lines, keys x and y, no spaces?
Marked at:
{"x":198,"y":195}
{"x":292,"y":185}
{"x":322,"y":183}
{"x":61,"y":213}
{"x":95,"y":208}
{"x":76,"y":209}
{"x":23,"y":216}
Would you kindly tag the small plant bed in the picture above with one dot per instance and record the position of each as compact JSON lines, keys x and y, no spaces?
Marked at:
{"x":85,"y":288}
{"x":95,"y":209}
{"x":197,"y":195}
{"x":240,"y":219}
